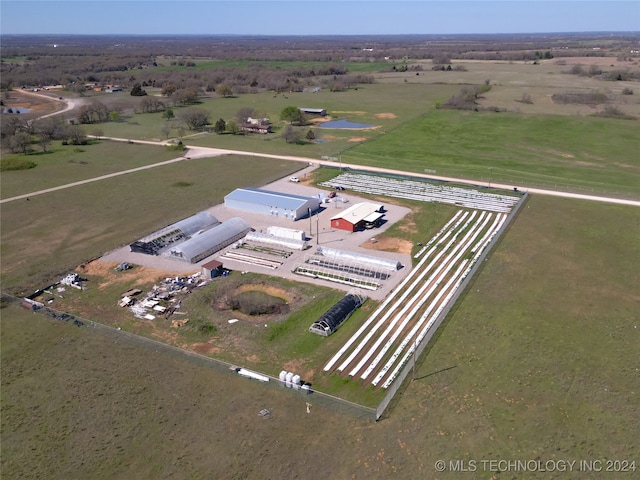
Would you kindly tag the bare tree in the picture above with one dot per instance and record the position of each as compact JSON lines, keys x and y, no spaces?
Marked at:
{"x":194,"y":118}
{"x":185,"y":96}
{"x":151,"y":104}
{"x":525,"y":98}
{"x":292,"y":134}
{"x":168,"y":89}
{"x":244,"y":113}
{"x":166,"y":130}
{"x":94,"y":112}
{"x":44,"y":140}
{"x":20,"y":142}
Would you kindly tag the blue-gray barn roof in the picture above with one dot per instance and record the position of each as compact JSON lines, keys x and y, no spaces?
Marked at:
{"x":268,"y":198}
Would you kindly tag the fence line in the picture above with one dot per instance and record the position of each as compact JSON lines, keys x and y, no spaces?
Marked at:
{"x":400,"y":379}
{"x":308,"y":394}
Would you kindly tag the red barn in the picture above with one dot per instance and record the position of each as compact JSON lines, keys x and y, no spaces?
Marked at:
{"x":358,"y":216}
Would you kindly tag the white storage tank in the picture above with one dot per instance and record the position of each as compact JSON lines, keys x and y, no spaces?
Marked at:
{"x":296,"y":382}
{"x":289,"y":380}
{"x":283,"y":376}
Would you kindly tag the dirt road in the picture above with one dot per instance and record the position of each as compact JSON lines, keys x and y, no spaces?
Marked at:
{"x":203,"y":152}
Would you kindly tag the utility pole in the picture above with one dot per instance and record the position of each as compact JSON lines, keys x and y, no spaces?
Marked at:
{"x":310,"y":225}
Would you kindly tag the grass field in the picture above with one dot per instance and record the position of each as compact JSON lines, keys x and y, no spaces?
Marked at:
{"x":71,"y":226}
{"x":362,"y":105}
{"x":208,"y":64}
{"x":592,"y":154}
{"x":67,"y":164}
{"x":547,"y":145}
{"x":537,"y":362}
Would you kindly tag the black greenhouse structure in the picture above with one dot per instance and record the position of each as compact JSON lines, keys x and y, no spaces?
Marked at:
{"x":331,"y":320}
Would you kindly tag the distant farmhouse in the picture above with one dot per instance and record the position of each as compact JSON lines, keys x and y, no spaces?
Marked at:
{"x":256,"y":125}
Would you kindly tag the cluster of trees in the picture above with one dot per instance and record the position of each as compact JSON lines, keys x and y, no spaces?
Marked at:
{"x":616,"y":74}
{"x":81,"y":59}
{"x":293,"y":115}
{"x":466,"y":98}
{"x":94,"y":112}
{"x":580,"y":98}
{"x":449,"y":68}
{"x":19,"y":136}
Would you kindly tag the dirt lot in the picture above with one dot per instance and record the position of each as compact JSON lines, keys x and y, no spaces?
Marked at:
{"x":38,"y":104}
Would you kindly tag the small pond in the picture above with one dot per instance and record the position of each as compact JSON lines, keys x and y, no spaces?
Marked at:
{"x":15,"y":110}
{"x":344,"y":124}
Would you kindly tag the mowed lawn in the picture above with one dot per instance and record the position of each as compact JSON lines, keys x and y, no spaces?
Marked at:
{"x":52,"y":233}
{"x":538,"y":361}
{"x":67,"y":164}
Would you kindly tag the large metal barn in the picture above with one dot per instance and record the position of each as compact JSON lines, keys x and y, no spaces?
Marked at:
{"x":267,"y":202}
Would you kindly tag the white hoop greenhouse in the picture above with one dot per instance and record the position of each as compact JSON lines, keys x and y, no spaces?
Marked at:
{"x":264,"y":238}
{"x":210,"y":241}
{"x":344,"y":256}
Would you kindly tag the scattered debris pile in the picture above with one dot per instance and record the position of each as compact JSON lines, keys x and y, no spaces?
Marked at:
{"x":164,"y":298}
{"x":73,"y":280}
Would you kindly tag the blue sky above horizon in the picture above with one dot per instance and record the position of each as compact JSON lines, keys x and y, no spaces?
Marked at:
{"x":316,"y":17}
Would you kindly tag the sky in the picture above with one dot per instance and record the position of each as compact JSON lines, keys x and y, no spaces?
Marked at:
{"x":315,"y":17}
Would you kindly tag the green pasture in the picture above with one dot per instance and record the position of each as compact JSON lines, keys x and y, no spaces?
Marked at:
{"x":63,"y":164}
{"x":537,"y":361}
{"x":54,"y":232}
{"x":542,"y":347}
{"x":208,"y":64}
{"x":574,"y":152}
{"x":18,"y":59}
{"x":583,"y":153}
{"x":405,"y":102}
{"x":510,"y":81}
{"x":284,"y":343}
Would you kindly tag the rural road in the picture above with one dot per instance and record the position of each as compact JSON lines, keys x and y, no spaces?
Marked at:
{"x":69,"y":105}
{"x":204,"y":152}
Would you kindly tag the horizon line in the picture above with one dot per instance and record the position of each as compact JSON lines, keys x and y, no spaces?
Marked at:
{"x":326,"y":34}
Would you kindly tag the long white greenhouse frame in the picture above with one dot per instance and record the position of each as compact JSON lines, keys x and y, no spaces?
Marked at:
{"x":356,"y":268}
{"x":188,"y":226}
{"x":210,"y":241}
{"x":425,"y":191}
{"x":354,"y":257}
{"x":267,"y":239}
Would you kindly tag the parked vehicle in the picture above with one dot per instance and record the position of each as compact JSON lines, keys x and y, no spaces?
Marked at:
{"x":294,"y":179}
